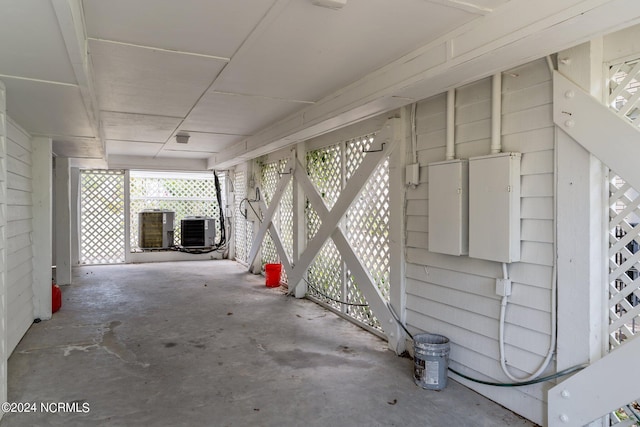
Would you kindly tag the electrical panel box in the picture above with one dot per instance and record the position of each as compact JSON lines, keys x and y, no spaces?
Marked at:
{"x":197,"y":232}
{"x":155,"y":229}
{"x":449,"y":207}
{"x":412,"y":174}
{"x":252,"y":211}
{"x":494,"y":207}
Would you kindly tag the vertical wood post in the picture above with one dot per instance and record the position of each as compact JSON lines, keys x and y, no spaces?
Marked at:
{"x":299,"y":217}
{"x":397,"y":164}
{"x":63,"y":221}
{"x":581,"y":217}
{"x":42,"y":242}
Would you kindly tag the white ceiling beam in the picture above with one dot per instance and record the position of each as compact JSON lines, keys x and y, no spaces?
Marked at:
{"x":159,"y":49}
{"x":515,"y":33}
{"x":88,"y":163}
{"x":156,"y":163}
{"x":28,"y":79}
{"x":72,"y":27}
{"x":463,"y":5}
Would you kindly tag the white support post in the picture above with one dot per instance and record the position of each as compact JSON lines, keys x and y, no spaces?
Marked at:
{"x":4,"y":354}
{"x":231,"y":210}
{"x":75,"y":216}
{"x":397,"y":164}
{"x":63,"y":221}
{"x":42,"y":177}
{"x":581,"y":220}
{"x":299,"y":218}
{"x":127,"y":216}
{"x":255,"y":265}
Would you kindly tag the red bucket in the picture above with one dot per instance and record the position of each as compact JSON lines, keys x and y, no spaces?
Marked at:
{"x":56,"y":298}
{"x":272,"y":275}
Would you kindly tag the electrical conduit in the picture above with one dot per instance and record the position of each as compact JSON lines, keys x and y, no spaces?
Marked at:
{"x":496,"y":147}
{"x":552,"y":344}
{"x":451,"y":125}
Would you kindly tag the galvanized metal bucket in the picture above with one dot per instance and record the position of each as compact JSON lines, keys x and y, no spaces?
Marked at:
{"x":430,"y":361}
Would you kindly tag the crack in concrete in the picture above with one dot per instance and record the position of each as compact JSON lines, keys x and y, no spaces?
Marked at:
{"x":107,"y":341}
{"x":110,"y":343}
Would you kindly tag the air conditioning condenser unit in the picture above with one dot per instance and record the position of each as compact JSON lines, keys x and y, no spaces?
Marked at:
{"x":155,"y":229}
{"x":197,"y":232}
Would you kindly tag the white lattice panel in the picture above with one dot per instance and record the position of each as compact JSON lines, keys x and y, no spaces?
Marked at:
{"x":367,"y":224}
{"x":102,"y":228}
{"x":283,"y":217}
{"x":624,"y":97}
{"x":270,"y":174}
{"x":624,"y":256}
{"x":366,"y":227}
{"x":624,"y":224}
{"x":624,"y":234}
{"x":184,"y":196}
{"x":241,"y":224}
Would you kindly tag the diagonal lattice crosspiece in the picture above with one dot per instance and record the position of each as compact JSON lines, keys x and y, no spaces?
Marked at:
{"x":326,"y":274}
{"x":282,"y":217}
{"x":329,"y":227}
{"x":366,"y":225}
{"x":102,"y":228}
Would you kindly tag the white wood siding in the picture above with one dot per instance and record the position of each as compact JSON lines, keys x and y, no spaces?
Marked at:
{"x":455,"y":296}
{"x":4,"y":352}
{"x":19,"y":229}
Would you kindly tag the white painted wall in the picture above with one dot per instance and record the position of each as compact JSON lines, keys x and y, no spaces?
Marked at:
{"x":4,"y":353}
{"x":455,"y":296}
{"x":18,"y":235}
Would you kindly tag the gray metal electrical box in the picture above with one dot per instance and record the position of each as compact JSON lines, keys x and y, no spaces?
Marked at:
{"x":449,"y":207}
{"x":494,"y":207}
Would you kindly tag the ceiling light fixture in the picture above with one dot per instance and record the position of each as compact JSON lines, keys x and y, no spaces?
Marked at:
{"x":182,"y":138}
{"x":331,"y":4}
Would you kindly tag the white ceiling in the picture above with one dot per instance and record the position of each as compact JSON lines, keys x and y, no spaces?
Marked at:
{"x":122,"y":77}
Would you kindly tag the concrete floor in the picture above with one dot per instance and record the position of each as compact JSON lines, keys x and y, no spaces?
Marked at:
{"x":203,"y":343}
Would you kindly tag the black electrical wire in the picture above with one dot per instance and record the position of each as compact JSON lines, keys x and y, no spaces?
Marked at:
{"x":223,"y":231}
{"x":331,"y":298}
{"x":242,"y":211}
{"x":496,"y":384}
{"x":523,"y":383}
{"x":257,"y":199}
